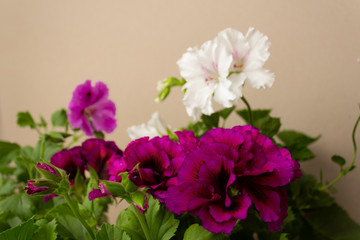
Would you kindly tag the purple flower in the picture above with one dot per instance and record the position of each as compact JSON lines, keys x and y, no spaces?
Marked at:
{"x":91,"y":110}
{"x":158,"y":161}
{"x":36,"y":187}
{"x":69,"y":160}
{"x":98,"y":193}
{"x":49,"y":197}
{"x":47,"y":168}
{"x":43,"y":187}
{"x":187,"y":140}
{"x":230,"y":170}
{"x":104,"y":157}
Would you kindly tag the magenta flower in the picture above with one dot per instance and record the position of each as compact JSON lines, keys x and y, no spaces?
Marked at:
{"x":230,"y":170}
{"x":46,"y":186}
{"x":104,"y":157}
{"x":158,"y":161}
{"x":47,"y":168}
{"x":187,"y":140}
{"x":35,"y":187}
{"x":98,"y":193}
{"x":69,"y":160}
{"x":91,"y":110}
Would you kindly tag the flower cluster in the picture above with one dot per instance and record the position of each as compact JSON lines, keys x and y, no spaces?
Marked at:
{"x":203,"y":172}
{"x":217,"y":177}
{"x":228,"y":171}
{"x":220,"y":67}
{"x":103,"y":156}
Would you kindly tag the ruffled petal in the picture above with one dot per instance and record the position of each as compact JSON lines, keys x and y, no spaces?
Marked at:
{"x":266,"y":201}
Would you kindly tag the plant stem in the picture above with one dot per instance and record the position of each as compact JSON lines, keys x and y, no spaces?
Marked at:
{"x":42,"y":149}
{"x":349,"y":168}
{"x":74,"y":209}
{"x":249,"y":110}
{"x":74,"y":140}
{"x":142,"y":221}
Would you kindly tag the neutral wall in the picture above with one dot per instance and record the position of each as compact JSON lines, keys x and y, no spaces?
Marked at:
{"x":48,"y":47}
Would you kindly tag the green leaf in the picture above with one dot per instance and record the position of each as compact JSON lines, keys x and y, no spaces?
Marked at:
{"x":8,"y":152}
{"x":6,"y":148}
{"x":128,"y":222}
{"x":55,"y":136}
{"x":297,"y":142}
{"x":163,"y":94}
{"x":161,"y":222}
{"x":305,"y":192}
{"x":46,"y":230}
{"x":111,"y":232}
{"x":225,"y":113}
{"x":14,"y":221}
{"x":165,"y":86}
{"x":338,"y":160}
{"x":62,"y":208}
{"x":115,"y":188}
{"x":283,"y":236}
{"x":196,"y":232}
{"x":268,"y":126}
{"x":50,"y":149}
{"x":198,"y":128}
{"x":301,"y":154}
{"x":127,"y":183}
{"x":24,"y":119}
{"x":70,"y":227}
{"x":99,"y":135}
{"x":256,"y":114}
{"x":211,"y":121}
{"x":6,"y":186}
{"x":42,"y":122}
{"x":290,"y":138}
{"x":59,"y":118}
{"x":333,"y":222}
{"x":19,"y":204}
{"x":139,"y":199}
{"x":24,"y":231}
{"x":172,"y":135}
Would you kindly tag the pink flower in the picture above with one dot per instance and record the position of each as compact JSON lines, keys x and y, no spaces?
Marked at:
{"x":91,"y":110}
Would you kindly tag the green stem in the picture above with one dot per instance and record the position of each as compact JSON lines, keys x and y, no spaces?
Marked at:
{"x":351,"y":166}
{"x":74,"y":140}
{"x":37,"y":130}
{"x":74,"y":209}
{"x":354,"y":142}
{"x":142,"y":221}
{"x":42,"y":149}
{"x":249,"y":110}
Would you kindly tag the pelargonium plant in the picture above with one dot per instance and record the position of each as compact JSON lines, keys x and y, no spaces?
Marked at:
{"x":201,"y":181}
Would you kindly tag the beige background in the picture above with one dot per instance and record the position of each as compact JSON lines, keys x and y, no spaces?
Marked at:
{"x":48,"y":47}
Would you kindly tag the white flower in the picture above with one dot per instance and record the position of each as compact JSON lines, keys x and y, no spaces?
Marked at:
{"x":205,"y":71}
{"x":220,"y":68}
{"x":249,"y":55}
{"x":156,"y":126}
